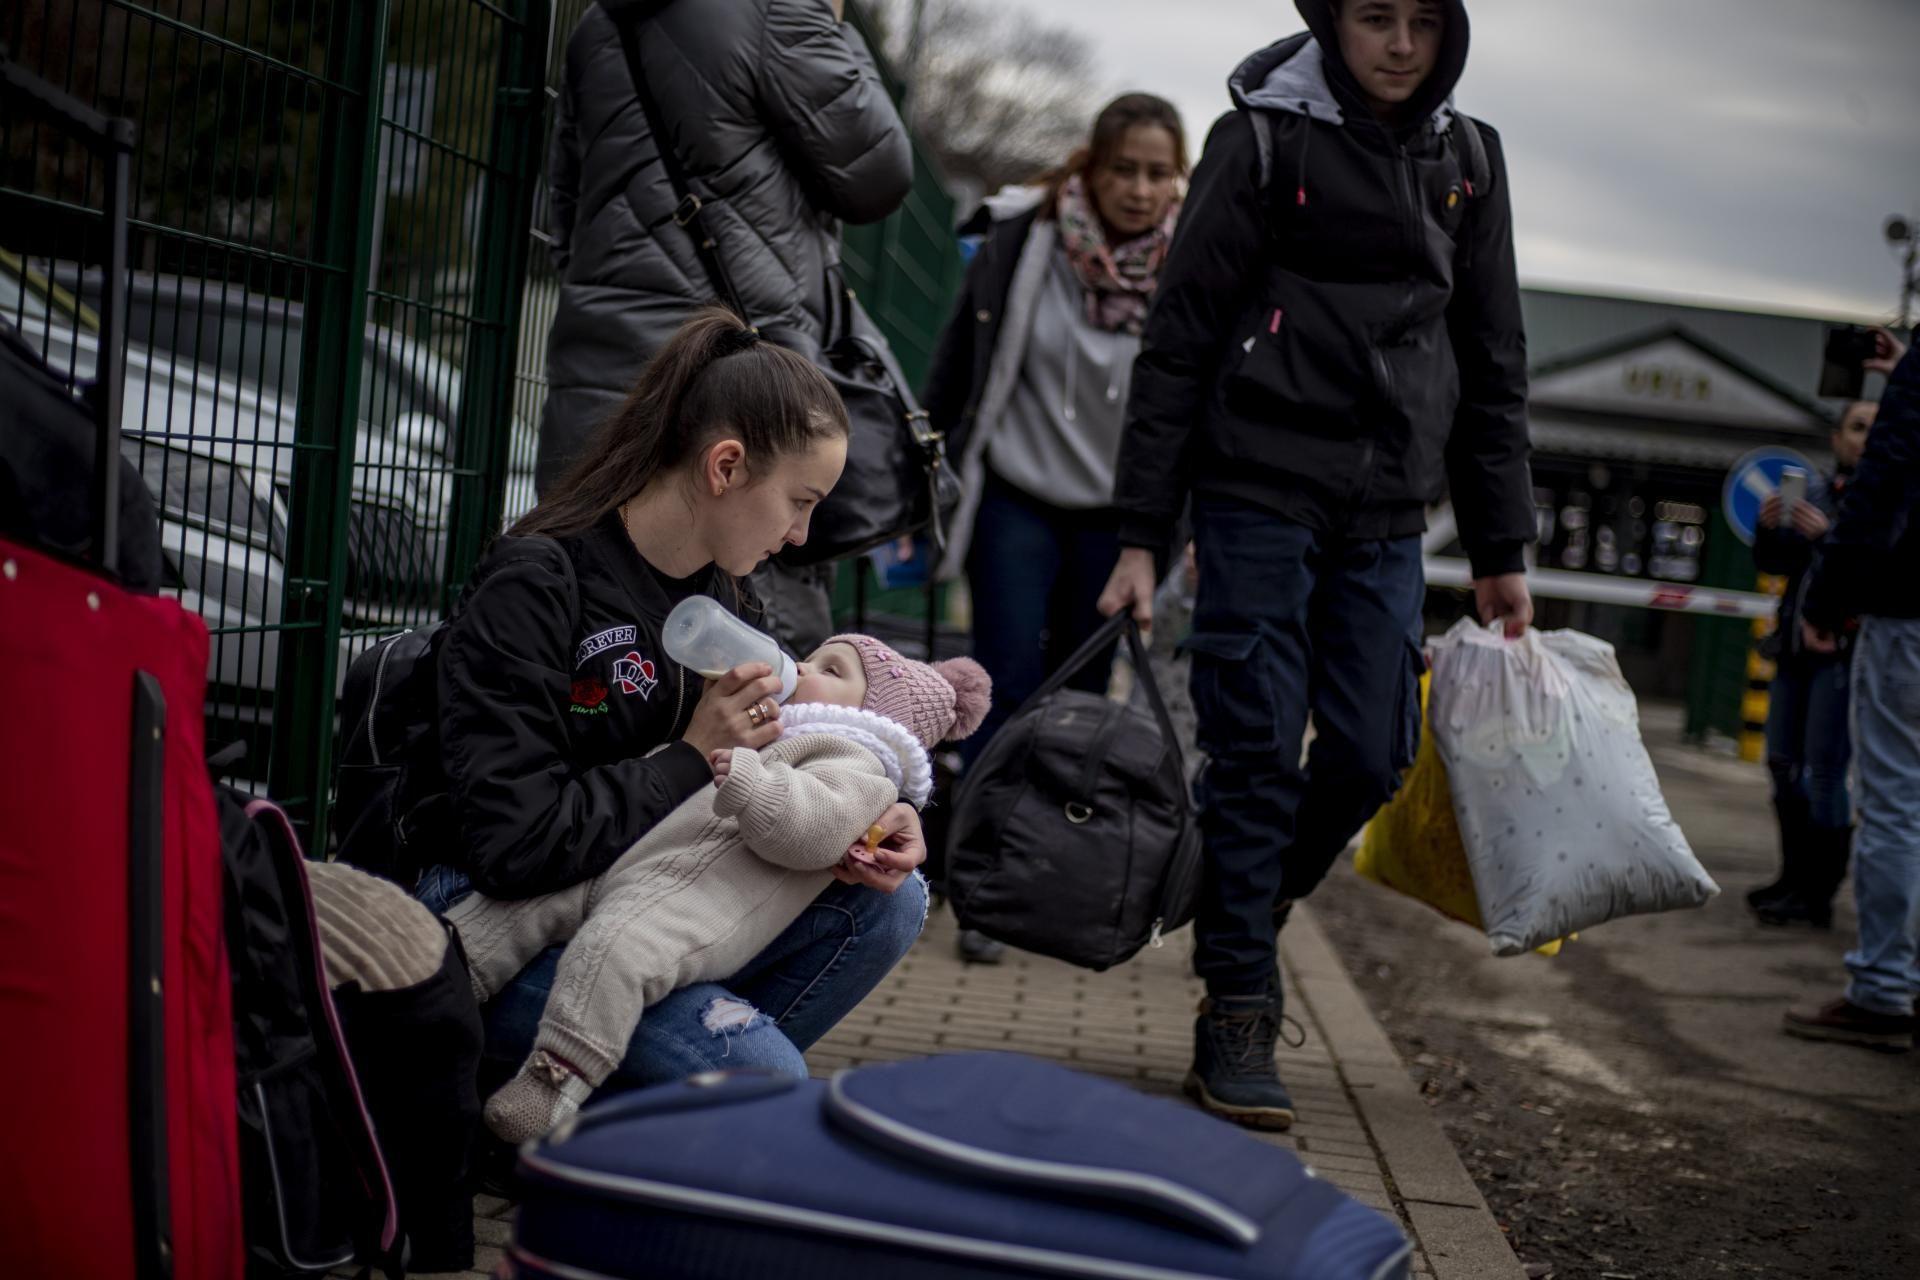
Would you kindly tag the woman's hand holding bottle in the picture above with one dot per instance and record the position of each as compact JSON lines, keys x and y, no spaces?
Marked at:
{"x":737,"y":710}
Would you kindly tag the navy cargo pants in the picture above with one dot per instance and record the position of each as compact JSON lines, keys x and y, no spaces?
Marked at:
{"x":1288,"y":620}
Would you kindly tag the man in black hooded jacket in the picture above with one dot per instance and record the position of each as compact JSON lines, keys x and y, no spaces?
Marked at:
{"x":1336,"y":337}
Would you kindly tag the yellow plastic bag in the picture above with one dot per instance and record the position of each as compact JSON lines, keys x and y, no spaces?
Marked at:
{"x":1413,"y":843}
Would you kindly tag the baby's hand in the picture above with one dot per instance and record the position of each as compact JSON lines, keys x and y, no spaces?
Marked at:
{"x":722,"y":762}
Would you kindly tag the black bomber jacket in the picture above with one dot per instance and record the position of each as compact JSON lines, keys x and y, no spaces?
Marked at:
{"x":560,"y":713}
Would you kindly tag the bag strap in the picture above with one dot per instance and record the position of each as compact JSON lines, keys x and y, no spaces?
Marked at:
{"x":689,"y":210}
{"x":1473,"y":156}
{"x":1475,"y":172}
{"x":1110,"y":630}
{"x":381,"y":1242}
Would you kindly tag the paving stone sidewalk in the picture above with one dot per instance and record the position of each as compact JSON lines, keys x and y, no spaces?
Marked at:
{"x":1362,"y":1125}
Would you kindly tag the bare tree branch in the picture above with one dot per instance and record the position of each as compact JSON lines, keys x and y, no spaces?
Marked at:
{"x":998,"y":96}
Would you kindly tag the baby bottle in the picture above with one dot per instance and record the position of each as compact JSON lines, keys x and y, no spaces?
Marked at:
{"x":702,"y":636}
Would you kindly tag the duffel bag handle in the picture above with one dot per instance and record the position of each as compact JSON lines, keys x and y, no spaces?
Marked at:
{"x":1109,"y":631}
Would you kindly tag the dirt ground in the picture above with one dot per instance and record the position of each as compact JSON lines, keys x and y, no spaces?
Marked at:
{"x":1630,"y":1108}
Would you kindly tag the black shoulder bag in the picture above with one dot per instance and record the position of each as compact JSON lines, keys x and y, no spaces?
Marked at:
{"x":897,"y":480}
{"x":1074,"y":834}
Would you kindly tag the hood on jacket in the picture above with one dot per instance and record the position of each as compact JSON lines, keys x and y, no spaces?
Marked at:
{"x":1304,"y":74}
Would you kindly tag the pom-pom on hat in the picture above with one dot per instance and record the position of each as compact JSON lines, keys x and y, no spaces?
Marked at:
{"x":935,"y":703}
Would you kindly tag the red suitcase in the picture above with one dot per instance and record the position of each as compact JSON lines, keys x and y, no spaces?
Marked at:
{"x":118,"y":1156}
{"x":121,"y":1141}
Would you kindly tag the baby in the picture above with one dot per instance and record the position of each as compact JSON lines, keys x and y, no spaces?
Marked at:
{"x":724,"y":874}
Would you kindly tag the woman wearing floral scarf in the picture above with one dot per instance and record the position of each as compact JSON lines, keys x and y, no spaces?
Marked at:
{"x":1029,"y":384}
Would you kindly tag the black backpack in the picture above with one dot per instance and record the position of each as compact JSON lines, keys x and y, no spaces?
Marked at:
{"x":390,"y":809}
{"x":315,"y":1191}
{"x":1074,"y":834}
{"x":388,"y":709}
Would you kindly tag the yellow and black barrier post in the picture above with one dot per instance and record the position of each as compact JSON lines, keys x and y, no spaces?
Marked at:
{"x":1760,"y":671}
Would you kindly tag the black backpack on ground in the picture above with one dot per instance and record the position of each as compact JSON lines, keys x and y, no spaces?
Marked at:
{"x":314,"y":1188}
{"x":416,"y":1051}
{"x":358,"y":1109}
{"x":1074,"y":834}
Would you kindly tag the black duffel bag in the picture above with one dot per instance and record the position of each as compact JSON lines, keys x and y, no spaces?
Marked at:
{"x":1074,"y":834}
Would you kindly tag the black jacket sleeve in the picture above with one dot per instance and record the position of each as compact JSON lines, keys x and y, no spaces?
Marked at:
{"x":1780,"y":550}
{"x":563,"y":174}
{"x":530,"y":820}
{"x":1487,"y":470}
{"x":1877,"y":511}
{"x":836,"y":126}
{"x":949,"y":388}
{"x":1211,"y":270}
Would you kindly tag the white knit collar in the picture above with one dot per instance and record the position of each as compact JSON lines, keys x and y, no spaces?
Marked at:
{"x":898,"y":751}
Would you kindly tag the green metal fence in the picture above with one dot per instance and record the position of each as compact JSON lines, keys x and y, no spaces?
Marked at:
{"x":338,"y":310}
{"x":328,"y":244}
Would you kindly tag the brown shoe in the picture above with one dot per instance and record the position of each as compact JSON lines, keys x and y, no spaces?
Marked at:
{"x":1847,"y":1023}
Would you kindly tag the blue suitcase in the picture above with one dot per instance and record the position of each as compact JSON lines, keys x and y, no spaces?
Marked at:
{"x":935,"y":1169}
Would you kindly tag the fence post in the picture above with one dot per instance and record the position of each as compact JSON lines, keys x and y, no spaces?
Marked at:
{"x":333,"y":334}
{"x":483,"y":434}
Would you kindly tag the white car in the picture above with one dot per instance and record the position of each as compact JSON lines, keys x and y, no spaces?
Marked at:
{"x":208,"y":415}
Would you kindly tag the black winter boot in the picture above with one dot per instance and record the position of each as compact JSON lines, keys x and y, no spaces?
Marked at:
{"x":1791,"y":806}
{"x":1810,"y":899}
{"x":1233,"y":1072}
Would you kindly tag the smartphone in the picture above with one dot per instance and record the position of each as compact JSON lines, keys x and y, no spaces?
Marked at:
{"x":1793,"y":490}
{"x":1848,"y":347}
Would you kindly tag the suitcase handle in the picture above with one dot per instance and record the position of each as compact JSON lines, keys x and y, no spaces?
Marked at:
{"x":111,"y":138}
{"x":1185,"y":1204}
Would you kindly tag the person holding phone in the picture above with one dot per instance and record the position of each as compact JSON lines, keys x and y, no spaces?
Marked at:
{"x":1808,"y":743}
{"x":1868,"y":567}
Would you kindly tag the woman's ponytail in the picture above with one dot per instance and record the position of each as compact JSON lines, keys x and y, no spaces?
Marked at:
{"x":715,"y":372}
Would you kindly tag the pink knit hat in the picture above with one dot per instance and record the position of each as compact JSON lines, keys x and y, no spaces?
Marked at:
{"x":934,"y":703}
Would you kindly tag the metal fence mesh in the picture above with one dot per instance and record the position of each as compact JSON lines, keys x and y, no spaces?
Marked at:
{"x":338,"y":309}
{"x":321,"y":314}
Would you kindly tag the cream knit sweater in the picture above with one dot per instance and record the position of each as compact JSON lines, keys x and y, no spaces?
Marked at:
{"x":693,"y":900}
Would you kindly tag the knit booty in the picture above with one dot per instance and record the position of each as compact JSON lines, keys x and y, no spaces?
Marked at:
{"x":480,"y":993}
{"x":544,"y":1093}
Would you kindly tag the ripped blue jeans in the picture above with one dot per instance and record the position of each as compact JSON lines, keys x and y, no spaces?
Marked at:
{"x":806,"y":980}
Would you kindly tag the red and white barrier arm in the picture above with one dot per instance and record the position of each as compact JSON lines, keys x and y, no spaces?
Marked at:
{"x":1641,"y":593}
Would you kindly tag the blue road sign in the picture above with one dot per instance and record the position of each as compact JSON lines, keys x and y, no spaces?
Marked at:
{"x":1751,"y":481}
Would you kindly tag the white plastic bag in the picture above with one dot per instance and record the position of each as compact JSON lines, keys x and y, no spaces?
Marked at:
{"x":1559,"y":809}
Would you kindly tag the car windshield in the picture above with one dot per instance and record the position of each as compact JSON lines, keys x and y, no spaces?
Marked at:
{"x":245,"y":338}
{"x":255,"y":340}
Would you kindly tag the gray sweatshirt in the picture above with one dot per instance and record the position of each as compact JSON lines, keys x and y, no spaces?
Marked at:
{"x":1060,"y":435}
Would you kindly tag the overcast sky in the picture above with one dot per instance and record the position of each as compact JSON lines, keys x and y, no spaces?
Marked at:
{"x":1716,"y":150}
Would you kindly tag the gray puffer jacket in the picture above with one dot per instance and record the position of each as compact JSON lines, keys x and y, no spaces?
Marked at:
{"x":780,"y":120}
